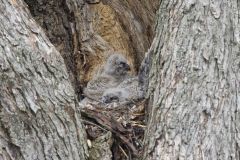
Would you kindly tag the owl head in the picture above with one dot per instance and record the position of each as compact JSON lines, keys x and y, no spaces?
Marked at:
{"x":117,"y":65}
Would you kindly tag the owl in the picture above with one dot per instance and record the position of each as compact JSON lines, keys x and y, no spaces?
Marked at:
{"x":127,"y":92}
{"x":111,"y":75}
{"x":115,"y":95}
{"x":117,"y":66}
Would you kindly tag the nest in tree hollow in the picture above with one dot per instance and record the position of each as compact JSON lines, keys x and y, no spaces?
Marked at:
{"x":127,"y":125}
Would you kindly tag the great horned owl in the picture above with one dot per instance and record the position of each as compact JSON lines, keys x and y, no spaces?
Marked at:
{"x":126,"y":92}
{"x":115,"y":95}
{"x":112,"y":74}
{"x":117,"y":66}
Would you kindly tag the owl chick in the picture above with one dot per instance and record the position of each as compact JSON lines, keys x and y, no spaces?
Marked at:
{"x":118,"y":95}
{"x":132,"y":86}
{"x":117,"y":66}
{"x":112,"y":74}
{"x":127,"y":92}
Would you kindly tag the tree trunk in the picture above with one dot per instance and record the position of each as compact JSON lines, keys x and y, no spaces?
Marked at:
{"x":194,"y":82}
{"x":37,"y":103}
{"x":38,"y":118}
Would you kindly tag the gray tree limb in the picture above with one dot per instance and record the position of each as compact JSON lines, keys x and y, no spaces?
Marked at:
{"x":194,"y":82}
{"x":38,"y":118}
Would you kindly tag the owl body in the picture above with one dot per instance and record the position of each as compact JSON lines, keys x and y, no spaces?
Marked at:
{"x":98,"y":85}
{"x":117,"y":95}
{"x":127,"y":92}
{"x":110,"y":75}
{"x":132,"y":86}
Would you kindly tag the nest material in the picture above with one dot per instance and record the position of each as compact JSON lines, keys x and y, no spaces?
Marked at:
{"x":127,"y":125}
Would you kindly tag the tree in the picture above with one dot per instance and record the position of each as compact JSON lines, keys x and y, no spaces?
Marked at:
{"x":193,"y":85}
{"x":194,"y":81}
{"x":39,"y":118}
{"x":38,"y":114}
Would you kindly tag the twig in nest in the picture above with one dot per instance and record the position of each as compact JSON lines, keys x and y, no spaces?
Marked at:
{"x":139,"y":125}
{"x":112,"y":125}
{"x":94,"y":124}
{"x":125,"y":154}
{"x":138,"y":114}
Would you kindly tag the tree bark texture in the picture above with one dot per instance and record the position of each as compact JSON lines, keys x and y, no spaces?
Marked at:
{"x":194,"y":81}
{"x":38,"y":118}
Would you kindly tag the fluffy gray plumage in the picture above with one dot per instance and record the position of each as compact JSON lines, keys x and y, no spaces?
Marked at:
{"x":127,"y":92}
{"x":117,"y":66}
{"x":115,"y":95}
{"x":133,"y":87}
{"x":112,"y":74}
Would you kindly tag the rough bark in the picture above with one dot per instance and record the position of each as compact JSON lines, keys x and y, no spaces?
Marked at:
{"x":58,"y":22}
{"x":38,"y":118}
{"x":194,"y":81}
